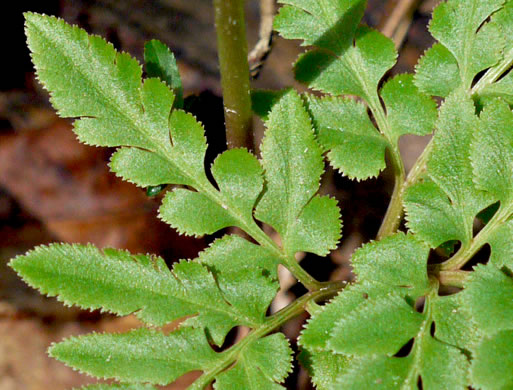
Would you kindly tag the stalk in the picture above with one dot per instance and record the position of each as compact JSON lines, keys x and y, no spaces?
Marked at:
{"x":493,"y":74}
{"x":453,"y":278}
{"x":465,"y":253}
{"x":234,"y":68}
{"x":273,"y":322}
{"x":394,"y":212}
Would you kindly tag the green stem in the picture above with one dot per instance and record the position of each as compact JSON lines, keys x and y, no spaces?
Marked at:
{"x":300,"y":274}
{"x":234,"y":68}
{"x":249,"y":226}
{"x":394,"y":212}
{"x":423,"y":334}
{"x":254,"y":231}
{"x":272,"y":323}
{"x":395,"y":209}
{"x":420,"y":165}
{"x":466,"y":252}
{"x":288,"y":261}
{"x":493,"y":74}
{"x":453,"y":278}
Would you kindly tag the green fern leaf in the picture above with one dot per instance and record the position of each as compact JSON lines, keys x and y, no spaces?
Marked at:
{"x":504,"y":87}
{"x":397,"y":261}
{"x":145,"y":355}
{"x":245,"y":273}
{"x":501,"y":244}
{"x":395,"y":265}
{"x":354,"y":145}
{"x":488,"y":298}
{"x":104,"y":89}
{"x":374,"y":331}
{"x":378,"y":371}
{"x":144,"y":168}
{"x":426,"y":201}
{"x":183,"y":163}
{"x":440,"y":367}
{"x":118,"y":282}
{"x":501,"y":89}
{"x":293,"y":166}
{"x":194,"y":213}
{"x":160,"y":62}
{"x":503,"y":18}
{"x":372,"y":320}
{"x":458,"y":25}
{"x":394,"y":323}
{"x":443,"y":207}
{"x":353,"y":64}
{"x":314,"y":335}
{"x":345,"y":130}
{"x":408,"y":110}
{"x":84,"y":276}
{"x":395,"y":268}
{"x":332,"y":24}
{"x":324,"y":367}
{"x":492,"y":156}
{"x":238,"y":174}
{"x":470,"y":169}
{"x":140,"y":355}
{"x":454,"y":326}
{"x":356,"y":71}
{"x":262,"y":365}
{"x":101,"y":85}
{"x":493,"y":362}
{"x":437,"y":72}
{"x":239,"y":177}
{"x":344,"y":59}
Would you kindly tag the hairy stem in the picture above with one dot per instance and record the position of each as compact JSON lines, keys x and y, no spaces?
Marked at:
{"x":288,"y":261}
{"x":272,"y":323}
{"x":466,"y":252}
{"x":493,"y":74}
{"x":234,"y":68}
{"x":453,"y":278}
{"x":420,"y":165}
{"x":300,"y":274}
{"x":394,"y":212}
{"x":420,"y":339}
{"x":255,"y":232}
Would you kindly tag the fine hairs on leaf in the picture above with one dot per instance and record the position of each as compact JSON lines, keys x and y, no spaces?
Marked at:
{"x":406,"y":321}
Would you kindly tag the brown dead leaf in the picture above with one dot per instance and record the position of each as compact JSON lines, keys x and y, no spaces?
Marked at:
{"x":25,"y":365}
{"x":69,"y":188}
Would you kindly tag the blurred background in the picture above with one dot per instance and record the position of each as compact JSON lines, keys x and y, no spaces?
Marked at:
{"x":54,"y":189}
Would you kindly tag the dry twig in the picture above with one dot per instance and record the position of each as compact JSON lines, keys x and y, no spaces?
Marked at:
{"x":398,"y":23}
{"x":258,"y":55}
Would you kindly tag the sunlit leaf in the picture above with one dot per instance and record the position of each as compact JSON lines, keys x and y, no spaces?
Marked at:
{"x":293,"y":166}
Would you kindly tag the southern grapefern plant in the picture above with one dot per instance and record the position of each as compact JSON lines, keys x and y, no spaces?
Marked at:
{"x":407,"y":322}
